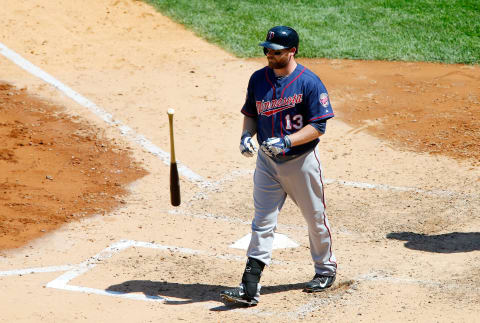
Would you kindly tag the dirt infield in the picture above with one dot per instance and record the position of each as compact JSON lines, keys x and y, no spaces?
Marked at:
{"x":85,"y":205}
{"x":54,"y":169}
{"x":421,"y":107}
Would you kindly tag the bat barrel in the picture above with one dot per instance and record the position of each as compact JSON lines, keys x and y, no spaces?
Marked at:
{"x":174,"y":185}
{"x":174,"y":179}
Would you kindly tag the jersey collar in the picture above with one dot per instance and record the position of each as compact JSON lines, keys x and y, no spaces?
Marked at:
{"x":287,"y":77}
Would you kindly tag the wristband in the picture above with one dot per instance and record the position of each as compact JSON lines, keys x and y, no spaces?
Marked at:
{"x":288,"y":143}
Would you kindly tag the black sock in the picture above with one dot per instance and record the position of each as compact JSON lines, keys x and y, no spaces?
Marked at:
{"x":251,"y":276}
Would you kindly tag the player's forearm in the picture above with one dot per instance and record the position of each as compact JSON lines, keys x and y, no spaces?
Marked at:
{"x":250,"y":125}
{"x":304,"y":135}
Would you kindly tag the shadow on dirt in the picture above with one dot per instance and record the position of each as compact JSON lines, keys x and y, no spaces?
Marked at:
{"x":443,"y":243}
{"x":190,"y":293}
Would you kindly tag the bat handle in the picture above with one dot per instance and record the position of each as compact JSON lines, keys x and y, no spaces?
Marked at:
{"x":172,"y":142}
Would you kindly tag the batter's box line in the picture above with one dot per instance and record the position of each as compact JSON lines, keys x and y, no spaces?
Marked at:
{"x":232,"y":220}
{"x":74,"y":271}
{"x":215,"y":186}
{"x":62,"y":282}
{"x":384,"y":187}
{"x":50,"y":269}
{"x":383,"y":277}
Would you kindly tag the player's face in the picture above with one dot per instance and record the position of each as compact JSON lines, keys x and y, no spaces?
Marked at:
{"x":278,"y":59}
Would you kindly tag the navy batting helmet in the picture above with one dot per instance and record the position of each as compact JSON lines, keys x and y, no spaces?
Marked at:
{"x":281,"y":37}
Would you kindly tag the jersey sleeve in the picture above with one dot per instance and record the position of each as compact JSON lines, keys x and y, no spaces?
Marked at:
{"x":318,"y":103}
{"x":321,"y":125}
{"x":249,"y":107}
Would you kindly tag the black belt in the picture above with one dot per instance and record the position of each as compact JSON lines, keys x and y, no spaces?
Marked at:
{"x":281,"y":158}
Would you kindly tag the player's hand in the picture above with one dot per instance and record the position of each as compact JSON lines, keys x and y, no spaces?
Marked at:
{"x":247,"y":145}
{"x":274,"y":145}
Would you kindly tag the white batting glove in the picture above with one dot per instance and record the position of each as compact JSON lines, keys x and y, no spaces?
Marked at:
{"x":274,"y":145}
{"x":247,"y":145}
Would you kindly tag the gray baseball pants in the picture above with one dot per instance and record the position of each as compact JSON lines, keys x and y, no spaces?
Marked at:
{"x":301,"y":179}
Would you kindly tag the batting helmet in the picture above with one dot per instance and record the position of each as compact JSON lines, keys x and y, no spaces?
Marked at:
{"x":280,"y":37}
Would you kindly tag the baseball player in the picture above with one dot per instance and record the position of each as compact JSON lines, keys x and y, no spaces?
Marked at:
{"x":287,"y":107}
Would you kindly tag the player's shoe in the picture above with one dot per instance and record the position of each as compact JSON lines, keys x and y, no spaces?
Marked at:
{"x":319,"y":283}
{"x":238,"y":295}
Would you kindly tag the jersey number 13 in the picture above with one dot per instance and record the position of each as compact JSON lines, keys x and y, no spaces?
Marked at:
{"x":295,"y":122}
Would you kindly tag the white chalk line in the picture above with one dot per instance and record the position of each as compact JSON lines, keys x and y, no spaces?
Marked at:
{"x":223,"y":218}
{"x":209,"y":216}
{"x":381,"y":277}
{"x":384,"y":187}
{"x":62,"y":281}
{"x":22,"y":272}
{"x":105,"y":116}
{"x":73,"y":271}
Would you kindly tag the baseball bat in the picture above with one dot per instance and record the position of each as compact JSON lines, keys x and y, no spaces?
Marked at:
{"x":174,"y":180}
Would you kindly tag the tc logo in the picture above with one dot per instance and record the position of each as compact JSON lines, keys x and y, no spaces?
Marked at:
{"x":270,"y":36}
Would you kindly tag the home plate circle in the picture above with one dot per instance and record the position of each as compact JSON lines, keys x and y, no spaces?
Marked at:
{"x":280,"y":241}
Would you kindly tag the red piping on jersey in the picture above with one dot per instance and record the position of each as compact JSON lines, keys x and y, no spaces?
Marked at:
{"x":274,"y":95}
{"x":324,"y":207}
{"x":273,"y":125}
{"x":248,"y":114}
{"x":281,"y":96}
{"x":281,"y":126}
{"x":320,"y":117}
{"x":271,"y":84}
{"x":281,"y":129}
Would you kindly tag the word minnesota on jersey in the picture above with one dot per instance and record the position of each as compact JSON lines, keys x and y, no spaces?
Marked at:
{"x":269,"y":108}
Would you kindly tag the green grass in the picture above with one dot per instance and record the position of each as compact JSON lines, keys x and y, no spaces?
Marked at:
{"x":410,"y":30}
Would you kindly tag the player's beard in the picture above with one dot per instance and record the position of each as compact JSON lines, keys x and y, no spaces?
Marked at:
{"x":279,"y":63}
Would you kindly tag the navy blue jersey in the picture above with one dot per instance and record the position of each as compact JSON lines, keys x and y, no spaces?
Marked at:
{"x":283,"y":106}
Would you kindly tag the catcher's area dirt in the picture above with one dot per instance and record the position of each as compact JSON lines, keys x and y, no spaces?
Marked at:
{"x":54,"y":168}
{"x":401,"y":160}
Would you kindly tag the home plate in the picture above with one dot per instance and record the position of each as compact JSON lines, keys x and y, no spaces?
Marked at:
{"x":280,"y":241}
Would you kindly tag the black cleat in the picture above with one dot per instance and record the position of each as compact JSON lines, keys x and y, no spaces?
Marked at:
{"x":238,"y":295}
{"x":319,"y":283}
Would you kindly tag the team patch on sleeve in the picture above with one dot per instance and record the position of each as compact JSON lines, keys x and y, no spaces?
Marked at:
{"x":324,"y":100}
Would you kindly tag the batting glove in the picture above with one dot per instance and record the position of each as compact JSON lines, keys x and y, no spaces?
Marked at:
{"x":274,"y":146}
{"x":247,"y":145}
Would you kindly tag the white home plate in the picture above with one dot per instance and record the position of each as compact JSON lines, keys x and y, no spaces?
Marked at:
{"x":280,"y":241}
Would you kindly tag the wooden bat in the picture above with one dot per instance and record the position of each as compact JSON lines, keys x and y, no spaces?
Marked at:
{"x":174,"y":180}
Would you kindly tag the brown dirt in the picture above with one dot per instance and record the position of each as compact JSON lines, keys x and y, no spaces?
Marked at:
{"x":54,"y":168}
{"x":423,"y":107}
